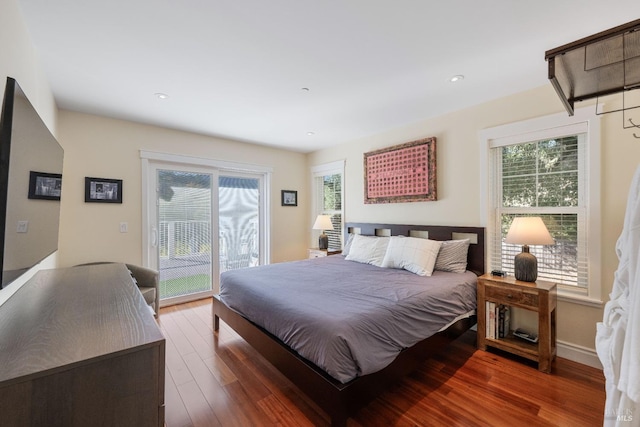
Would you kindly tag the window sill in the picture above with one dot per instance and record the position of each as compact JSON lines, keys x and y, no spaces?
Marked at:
{"x":566,"y":295}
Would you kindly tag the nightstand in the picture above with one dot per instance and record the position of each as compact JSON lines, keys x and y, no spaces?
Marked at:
{"x":539,"y":296}
{"x":319,"y":253}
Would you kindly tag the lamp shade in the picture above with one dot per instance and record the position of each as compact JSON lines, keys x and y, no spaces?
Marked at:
{"x":323,"y":222}
{"x":528,"y":230}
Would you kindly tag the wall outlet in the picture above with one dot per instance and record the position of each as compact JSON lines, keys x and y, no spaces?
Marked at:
{"x":23,"y":226}
{"x":124,"y":227}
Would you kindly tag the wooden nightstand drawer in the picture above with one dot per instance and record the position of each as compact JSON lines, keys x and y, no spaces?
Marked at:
{"x":319,"y":253}
{"x":512,"y":296}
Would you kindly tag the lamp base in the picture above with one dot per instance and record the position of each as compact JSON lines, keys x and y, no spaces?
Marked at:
{"x":323,"y":241}
{"x":526,"y":266}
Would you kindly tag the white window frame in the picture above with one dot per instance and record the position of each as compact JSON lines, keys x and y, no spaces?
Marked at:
{"x":547,"y":127}
{"x":332,"y":168}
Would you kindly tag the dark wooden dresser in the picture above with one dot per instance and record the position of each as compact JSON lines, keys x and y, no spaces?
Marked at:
{"x":79,"y":347}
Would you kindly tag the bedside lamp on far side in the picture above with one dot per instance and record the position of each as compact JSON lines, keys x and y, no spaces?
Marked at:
{"x":323,"y":222}
{"x":527,"y":230}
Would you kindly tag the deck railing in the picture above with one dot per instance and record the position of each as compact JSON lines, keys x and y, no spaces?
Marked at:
{"x":185,"y":255}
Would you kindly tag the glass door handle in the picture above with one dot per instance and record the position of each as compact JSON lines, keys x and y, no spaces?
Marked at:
{"x":154,"y":237}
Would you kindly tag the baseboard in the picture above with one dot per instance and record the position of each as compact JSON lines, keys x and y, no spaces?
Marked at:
{"x":578,"y":353}
{"x":574,"y":352}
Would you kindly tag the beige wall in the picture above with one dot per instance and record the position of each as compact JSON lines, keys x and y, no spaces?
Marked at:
{"x":459,"y":184}
{"x":18,"y":59}
{"x":107,"y":148}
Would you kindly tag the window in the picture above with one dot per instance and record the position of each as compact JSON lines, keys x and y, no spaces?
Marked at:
{"x":541,"y":178}
{"x":547,"y":167}
{"x":328,"y":198}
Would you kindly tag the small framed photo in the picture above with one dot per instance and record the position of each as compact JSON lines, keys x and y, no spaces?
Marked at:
{"x":45,"y":186}
{"x":102,"y":190}
{"x":289,"y":198}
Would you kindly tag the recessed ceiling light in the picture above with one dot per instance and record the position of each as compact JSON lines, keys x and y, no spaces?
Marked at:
{"x":311,"y":133}
{"x":306,"y":89}
{"x":161,"y":95}
{"x":456,"y":78}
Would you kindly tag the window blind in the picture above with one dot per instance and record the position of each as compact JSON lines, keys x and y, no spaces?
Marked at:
{"x":545,"y":178}
{"x":329,"y":194}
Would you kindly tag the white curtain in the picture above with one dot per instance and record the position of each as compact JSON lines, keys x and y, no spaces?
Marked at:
{"x":618,"y":335}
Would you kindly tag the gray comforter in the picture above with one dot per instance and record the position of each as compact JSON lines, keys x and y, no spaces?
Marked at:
{"x":349,"y":319}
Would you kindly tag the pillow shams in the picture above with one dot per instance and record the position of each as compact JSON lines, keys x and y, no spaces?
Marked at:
{"x":347,"y":246}
{"x":453,"y":256}
{"x":413,"y":254}
{"x":368,"y":249}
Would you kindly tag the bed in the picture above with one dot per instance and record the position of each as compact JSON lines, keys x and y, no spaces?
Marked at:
{"x":336,"y":383}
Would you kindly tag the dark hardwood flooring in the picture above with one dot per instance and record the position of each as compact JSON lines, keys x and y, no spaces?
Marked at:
{"x":219,"y":380}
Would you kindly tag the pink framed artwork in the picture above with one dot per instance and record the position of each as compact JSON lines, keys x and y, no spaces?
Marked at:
{"x":402,"y":173}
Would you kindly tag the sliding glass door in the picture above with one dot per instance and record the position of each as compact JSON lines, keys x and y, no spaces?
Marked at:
{"x":239,"y":221}
{"x":185,"y":212}
{"x":201,"y":221}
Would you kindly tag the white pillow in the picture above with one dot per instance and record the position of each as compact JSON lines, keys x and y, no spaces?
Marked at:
{"x":347,"y":246}
{"x":368,"y":249}
{"x":413,"y":254}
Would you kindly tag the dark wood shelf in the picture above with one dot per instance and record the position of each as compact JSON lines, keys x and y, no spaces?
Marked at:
{"x":601,"y":64}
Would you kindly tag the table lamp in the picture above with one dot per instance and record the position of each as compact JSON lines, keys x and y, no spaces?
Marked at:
{"x":527,"y":230}
{"x":323,"y":222}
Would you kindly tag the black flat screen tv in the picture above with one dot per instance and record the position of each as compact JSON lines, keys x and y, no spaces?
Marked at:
{"x":30,"y":186}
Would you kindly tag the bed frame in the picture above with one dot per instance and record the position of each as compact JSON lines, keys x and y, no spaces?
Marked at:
{"x":337,"y":399}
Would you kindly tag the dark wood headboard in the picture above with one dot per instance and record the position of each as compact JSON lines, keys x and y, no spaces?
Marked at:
{"x":475,"y":257}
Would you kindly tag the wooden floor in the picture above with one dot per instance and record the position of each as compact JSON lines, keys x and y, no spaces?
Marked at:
{"x":219,"y":380}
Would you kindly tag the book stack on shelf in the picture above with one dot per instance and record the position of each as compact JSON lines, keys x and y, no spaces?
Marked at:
{"x":498,"y":320}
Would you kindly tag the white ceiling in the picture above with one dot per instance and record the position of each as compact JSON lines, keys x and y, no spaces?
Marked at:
{"x":236,"y":68}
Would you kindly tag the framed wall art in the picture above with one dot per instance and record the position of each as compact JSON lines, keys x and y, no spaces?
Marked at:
{"x":289,"y":198}
{"x":402,"y":173}
{"x":45,"y":186}
{"x":102,"y":190}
